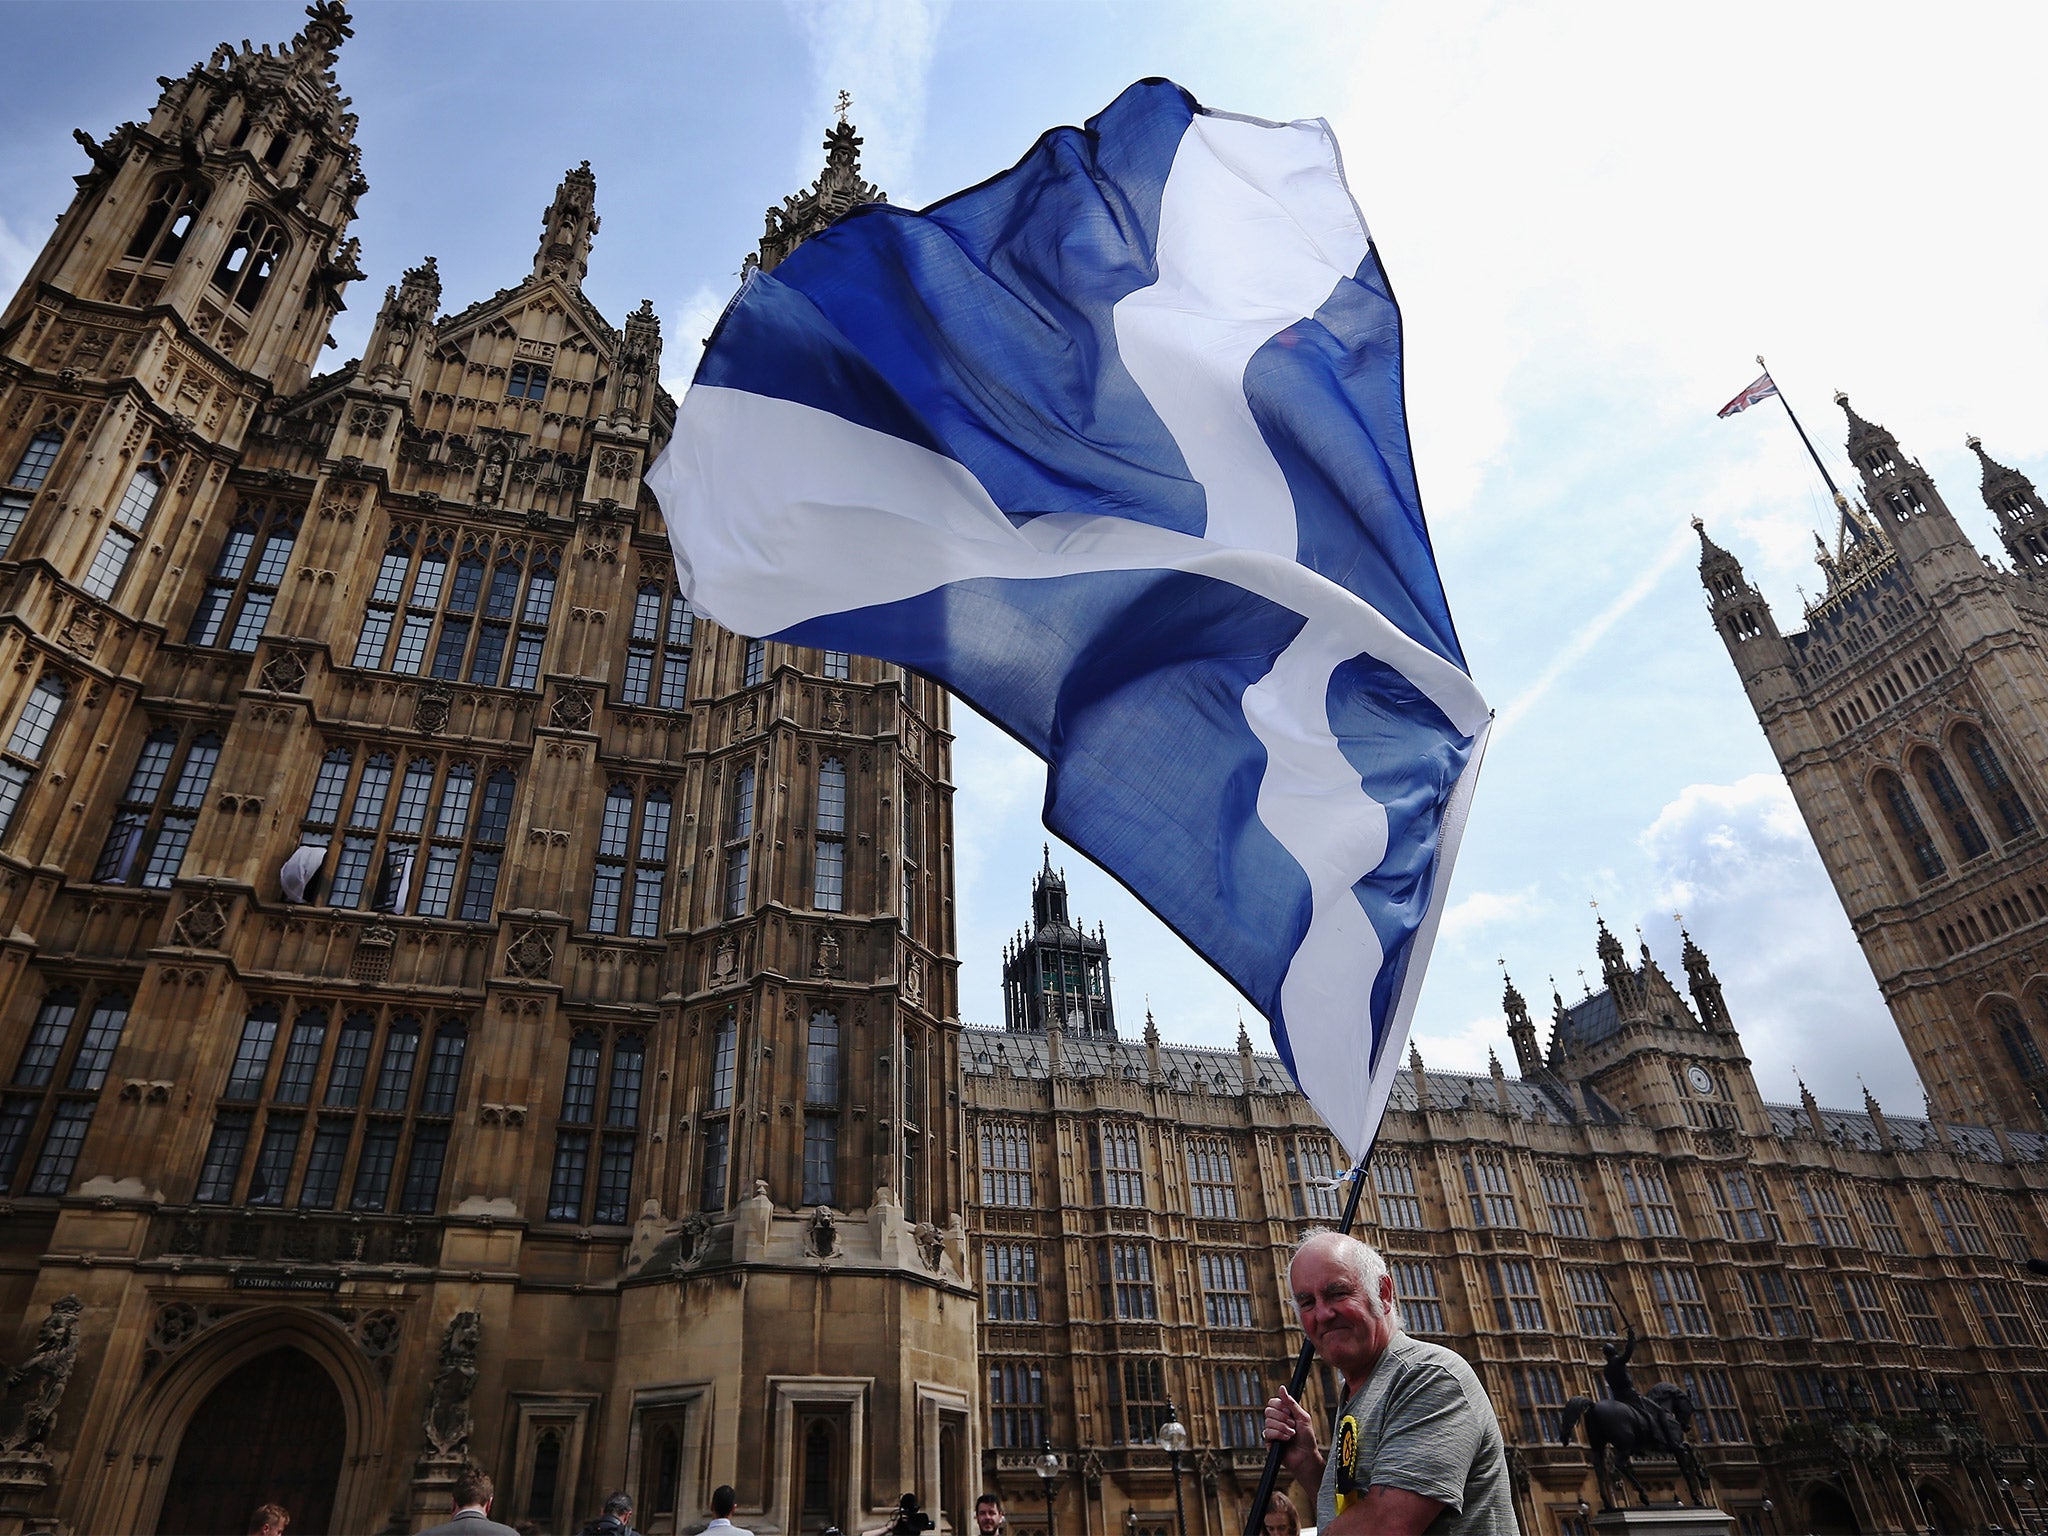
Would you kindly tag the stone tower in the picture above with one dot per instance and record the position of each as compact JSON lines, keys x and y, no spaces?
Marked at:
{"x":1056,"y":975}
{"x":456,"y":1002}
{"x":1908,"y":717}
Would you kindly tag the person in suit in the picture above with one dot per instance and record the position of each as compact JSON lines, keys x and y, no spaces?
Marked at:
{"x":473,"y":1493}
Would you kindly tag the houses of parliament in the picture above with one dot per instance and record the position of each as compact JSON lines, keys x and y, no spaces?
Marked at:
{"x":456,"y":1003}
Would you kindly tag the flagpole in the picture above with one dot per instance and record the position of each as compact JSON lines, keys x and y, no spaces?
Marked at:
{"x":1255,"y":1522}
{"x":1832,"y":491}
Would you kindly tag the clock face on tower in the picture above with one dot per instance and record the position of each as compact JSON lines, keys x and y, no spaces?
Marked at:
{"x":1701,"y":1080}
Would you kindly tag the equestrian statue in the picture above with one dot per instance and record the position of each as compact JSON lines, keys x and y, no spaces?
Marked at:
{"x":1628,"y":1423}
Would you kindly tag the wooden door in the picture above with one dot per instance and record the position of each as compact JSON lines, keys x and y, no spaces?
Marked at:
{"x":272,"y":1432}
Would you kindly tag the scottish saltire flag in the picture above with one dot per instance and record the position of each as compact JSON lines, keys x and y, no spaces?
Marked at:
{"x":1114,"y":446}
{"x":1758,"y":392}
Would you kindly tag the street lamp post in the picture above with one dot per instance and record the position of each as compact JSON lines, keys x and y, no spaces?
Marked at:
{"x":1047,"y":1466}
{"x":1173,"y":1439}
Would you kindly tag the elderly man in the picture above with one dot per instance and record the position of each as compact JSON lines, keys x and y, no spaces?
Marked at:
{"x":1417,"y":1446}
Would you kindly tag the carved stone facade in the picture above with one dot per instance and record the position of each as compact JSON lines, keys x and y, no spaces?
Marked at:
{"x":1911,"y":718}
{"x":1841,"y":1291}
{"x":593,"y":1112}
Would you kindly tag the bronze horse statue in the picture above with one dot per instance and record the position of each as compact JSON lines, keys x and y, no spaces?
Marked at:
{"x":1623,"y":1430}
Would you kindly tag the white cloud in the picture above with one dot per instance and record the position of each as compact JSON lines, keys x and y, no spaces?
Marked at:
{"x":1472,"y":917}
{"x":880,"y":53}
{"x":685,"y":328}
{"x":1736,"y":860}
{"x":16,"y":255}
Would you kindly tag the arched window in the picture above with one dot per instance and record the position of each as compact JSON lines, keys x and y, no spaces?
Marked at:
{"x":27,"y":479}
{"x":244,"y":587}
{"x":131,"y":516}
{"x":648,"y":853}
{"x":166,"y":220}
{"x":658,"y":649}
{"x":488,"y":614}
{"x":1994,"y":781}
{"x":250,"y":260}
{"x":1941,"y":784}
{"x":529,"y":381}
{"x":569,"y":1179}
{"x":1907,"y":826}
{"x":148,"y":818}
{"x":828,"y":877}
{"x":821,"y":1059}
{"x":382,"y":857}
{"x":739,"y":834}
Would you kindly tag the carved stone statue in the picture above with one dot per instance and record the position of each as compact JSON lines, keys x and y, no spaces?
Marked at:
{"x":28,"y":1408}
{"x":447,"y":1418}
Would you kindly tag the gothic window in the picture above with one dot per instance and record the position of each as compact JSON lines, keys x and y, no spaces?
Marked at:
{"x":2010,"y":1237}
{"x":1567,"y":1204}
{"x":1539,"y":1402}
{"x":1998,"y":1313}
{"x":1862,"y":1312}
{"x":1311,"y":1178}
{"x":1009,"y":1276}
{"x":249,"y":261}
{"x":630,"y":856}
{"x":409,"y":837}
{"x":2018,"y":1039}
{"x":821,"y":1108}
{"x":718,"y":1131}
{"x":1487,"y":1187}
{"x":739,"y":840}
{"x":246,"y":574}
{"x":27,"y":479}
{"x":1916,"y":1301}
{"x":1676,"y":1288}
{"x":1016,"y":1405}
{"x":1649,"y":1202}
{"x":24,"y":750}
{"x":1123,"y":1274}
{"x":56,"y":1085}
{"x":1714,"y":1412}
{"x":1956,"y":1214}
{"x":912,"y":1127}
{"x":375,"y":1103}
{"x":1884,"y":1221}
{"x":1592,"y":1302}
{"x":529,"y":381}
{"x":1240,"y":1408}
{"x":1736,"y":1207}
{"x":1994,"y":781}
{"x":612,"y":1120}
{"x":1421,"y":1299}
{"x":1778,"y":1306}
{"x":1226,"y":1290}
{"x":658,"y":648}
{"x":1137,"y":1401}
{"x":838,"y":665}
{"x":1116,"y":1164}
{"x":166,"y":221}
{"x":1212,"y":1184}
{"x":130,"y":517}
{"x":1941,"y":784}
{"x":152,"y":820}
{"x":755,"y":667}
{"x":485,"y":624}
{"x":911,"y":848}
{"x":828,"y":876}
{"x":1393,"y":1178}
{"x":1825,"y":1218}
{"x":1517,"y":1304}
{"x":1907,"y":826}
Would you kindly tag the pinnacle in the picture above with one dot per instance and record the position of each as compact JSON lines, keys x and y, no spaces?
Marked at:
{"x":1858,"y":427}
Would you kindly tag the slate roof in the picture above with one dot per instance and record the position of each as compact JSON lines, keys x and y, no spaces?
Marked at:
{"x":1854,"y":1128}
{"x":1592,"y":1019}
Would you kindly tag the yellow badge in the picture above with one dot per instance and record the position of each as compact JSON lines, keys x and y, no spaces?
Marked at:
{"x":1347,"y":1461}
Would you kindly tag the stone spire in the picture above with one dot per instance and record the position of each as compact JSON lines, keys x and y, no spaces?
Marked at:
{"x":1704,"y":985}
{"x":568,"y":228}
{"x":839,"y":190}
{"x":1521,"y":1028}
{"x":2022,"y":519}
{"x":1878,"y":1122}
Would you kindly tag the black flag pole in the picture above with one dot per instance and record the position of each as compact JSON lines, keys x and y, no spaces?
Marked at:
{"x":1796,"y":427}
{"x":1256,"y":1520}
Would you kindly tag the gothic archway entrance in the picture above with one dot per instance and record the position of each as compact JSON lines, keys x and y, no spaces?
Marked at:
{"x":1829,"y":1514}
{"x":272,"y":1432}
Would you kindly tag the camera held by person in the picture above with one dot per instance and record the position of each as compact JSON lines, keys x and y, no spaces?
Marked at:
{"x":908,"y":1520}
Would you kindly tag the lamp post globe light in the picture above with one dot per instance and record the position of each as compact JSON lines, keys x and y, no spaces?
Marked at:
{"x":1173,"y":1439}
{"x":1047,"y":1466}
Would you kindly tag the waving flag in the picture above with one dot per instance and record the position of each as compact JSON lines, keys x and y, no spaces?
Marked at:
{"x":1756,"y":394}
{"x":1113,"y":445}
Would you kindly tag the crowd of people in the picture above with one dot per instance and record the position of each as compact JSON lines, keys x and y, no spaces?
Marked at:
{"x":1415,"y":1450}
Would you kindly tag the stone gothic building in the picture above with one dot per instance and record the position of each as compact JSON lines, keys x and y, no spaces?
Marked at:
{"x":1910,"y":716}
{"x":453,"y":1002}
{"x":1841,"y":1292}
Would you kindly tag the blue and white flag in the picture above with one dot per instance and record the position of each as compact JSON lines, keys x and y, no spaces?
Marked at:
{"x":1113,"y":445}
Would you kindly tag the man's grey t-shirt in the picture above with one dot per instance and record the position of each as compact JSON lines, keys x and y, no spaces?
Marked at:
{"x":1425,"y":1424}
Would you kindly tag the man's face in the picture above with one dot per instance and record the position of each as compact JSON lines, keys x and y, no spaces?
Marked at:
{"x":1277,"y":1524}
{"x":988,"y":1518}
{"x":1348,"y":1328}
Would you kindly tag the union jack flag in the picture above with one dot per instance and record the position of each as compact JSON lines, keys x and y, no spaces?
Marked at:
{"x":1761,"y":390}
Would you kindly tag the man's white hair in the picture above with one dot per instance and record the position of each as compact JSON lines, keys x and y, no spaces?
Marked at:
{"x":1356,"y":1255}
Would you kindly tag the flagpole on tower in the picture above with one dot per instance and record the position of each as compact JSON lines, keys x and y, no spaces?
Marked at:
{"x":1796,"y":427}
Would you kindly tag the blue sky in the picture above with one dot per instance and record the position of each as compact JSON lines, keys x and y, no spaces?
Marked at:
{"x":1595,"y":217}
